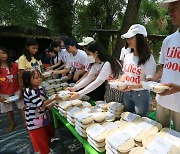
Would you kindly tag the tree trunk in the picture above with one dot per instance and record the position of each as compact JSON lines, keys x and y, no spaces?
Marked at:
{"x":128,"y":20}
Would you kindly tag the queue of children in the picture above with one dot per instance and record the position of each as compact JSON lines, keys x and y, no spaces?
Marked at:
{"x":91,"y":69}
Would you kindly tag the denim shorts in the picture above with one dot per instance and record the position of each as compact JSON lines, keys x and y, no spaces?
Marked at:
{"x":137,"y":102}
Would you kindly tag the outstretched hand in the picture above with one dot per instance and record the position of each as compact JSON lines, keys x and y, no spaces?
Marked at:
{"x":2,"y":99}
{"x":173,"y":88}
{"x":74,"y":95}
{"x":71,"y":89}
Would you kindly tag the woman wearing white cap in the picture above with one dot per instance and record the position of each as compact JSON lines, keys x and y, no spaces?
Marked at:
{"x":168,"y":107}
{"x":84,"y":44}
{"x":139,"y":64}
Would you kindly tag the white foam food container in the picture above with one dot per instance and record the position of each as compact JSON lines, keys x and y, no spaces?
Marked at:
{"x":12,"y":99}
{"x":154,"y":86}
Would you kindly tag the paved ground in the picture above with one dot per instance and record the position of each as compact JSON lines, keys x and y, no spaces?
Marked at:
{"x":18,"y":142}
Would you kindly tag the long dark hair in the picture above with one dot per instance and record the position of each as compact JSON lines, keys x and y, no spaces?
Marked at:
{"x":143,"y":50}
{"x":30,"y":42}
{"x":27,"y":75}
{"x":104,"y":56}
{"x":9,"y":60}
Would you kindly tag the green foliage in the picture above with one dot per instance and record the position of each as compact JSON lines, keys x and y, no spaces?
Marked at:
{"x":154,"y":18}
{"x":59,"y":15}
{"x":18,"y":13}
{"x":97,"y":14}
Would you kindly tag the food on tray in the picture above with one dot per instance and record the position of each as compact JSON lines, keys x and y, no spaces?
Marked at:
{"x":12,"y":99}
{"x":47,"y":73}
{"x":154,"y":86}
{"x":64,"y":94}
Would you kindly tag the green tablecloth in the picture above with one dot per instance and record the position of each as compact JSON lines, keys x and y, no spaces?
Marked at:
{"x":56,"y":115}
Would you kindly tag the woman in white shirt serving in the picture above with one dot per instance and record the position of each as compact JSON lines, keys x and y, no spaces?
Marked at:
{"x":138,"y":65}
{"x":105,"y":67}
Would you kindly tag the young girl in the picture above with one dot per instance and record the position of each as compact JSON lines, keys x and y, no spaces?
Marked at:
{"x":105,"y":67}
{"x":29,"y":59}
{"x":138,"y":65}
{"x":9,"y":85}
{"x":40,"y":131}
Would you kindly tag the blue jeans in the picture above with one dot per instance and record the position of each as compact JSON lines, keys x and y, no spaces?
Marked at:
{"x":137,"y":102}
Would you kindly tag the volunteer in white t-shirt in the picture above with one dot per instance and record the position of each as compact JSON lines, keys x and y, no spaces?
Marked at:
{"x":53,"y":56}
{"x":124,"y":51}
{"x":138,"y":65}
{"x":77,"y":59}
{"x":105,"y":67}
{"x":168,"y":107}
{"x":64,"y":58}
{"x":84,"y":44}
{"x":58,"y":59}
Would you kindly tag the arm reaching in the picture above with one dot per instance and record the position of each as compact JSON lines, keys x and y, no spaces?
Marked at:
{"x":173,"y":88}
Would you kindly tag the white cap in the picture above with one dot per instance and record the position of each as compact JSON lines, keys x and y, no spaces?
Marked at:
{"x":133,"y":30}
{"x":86,"y":41}
{"x":165,"y":3}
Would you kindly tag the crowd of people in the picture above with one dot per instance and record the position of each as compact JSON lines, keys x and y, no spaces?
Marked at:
{"x":91,"y":68}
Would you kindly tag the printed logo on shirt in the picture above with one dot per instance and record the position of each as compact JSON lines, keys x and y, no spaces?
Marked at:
{"x":78,"y":65}
{"x":135,"y":71}
{"x":2,"y":79}
{"x":172,"y":53}
{"x":35,"y":65}
{"x":10,"y":78}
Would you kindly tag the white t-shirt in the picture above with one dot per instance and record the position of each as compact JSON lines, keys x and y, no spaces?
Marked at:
{"x":124,"y":51}
{"x":170,"y":57}
{"x":79,"y":61}
{"x":98,"y":74}
{"x":59,"y":56}
{"x":64,"y":55}
{"x":134,"y":73}
{"x":56,"y":59}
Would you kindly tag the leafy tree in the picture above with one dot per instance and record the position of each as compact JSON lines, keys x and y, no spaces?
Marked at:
{"x":58,"y":15}
{"x":97,"y":14}
{"x":19,"y":13}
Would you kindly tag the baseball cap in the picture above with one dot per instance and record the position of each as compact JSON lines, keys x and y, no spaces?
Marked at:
{"x":133,"y":30}
{"x":86,"y":41}
{"x":165,"y":3}
{"x":69,"y":42}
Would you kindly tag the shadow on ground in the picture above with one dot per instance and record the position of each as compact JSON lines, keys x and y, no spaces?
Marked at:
{"x":18,"y":141}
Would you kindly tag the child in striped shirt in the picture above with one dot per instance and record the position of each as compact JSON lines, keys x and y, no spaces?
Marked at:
{"x":40,"y":130}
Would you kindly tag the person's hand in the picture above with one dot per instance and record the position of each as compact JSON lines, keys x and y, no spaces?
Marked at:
{"x":74,"y":95}
{"x":152,"y":79}
{"x":2,"y":99}
{"x":56,"y":97}
{"x":54,"y":72}
{"x":71,"y":89}
{"x":173,"y":88}
{"x":50,"y":106}
{"x":76,"y":77}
